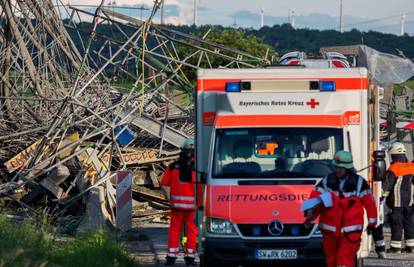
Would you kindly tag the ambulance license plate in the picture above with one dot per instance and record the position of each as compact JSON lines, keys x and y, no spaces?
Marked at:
{"x":280,"y":254}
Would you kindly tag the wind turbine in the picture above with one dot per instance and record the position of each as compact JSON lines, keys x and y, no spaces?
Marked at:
{"x":341,"y":16}
{"x":262,"y":11}
{"x":195,"y":12}
{"x":402,"y":32}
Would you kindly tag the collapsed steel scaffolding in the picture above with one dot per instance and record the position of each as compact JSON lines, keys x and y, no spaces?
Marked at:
{"x":119,"y":95}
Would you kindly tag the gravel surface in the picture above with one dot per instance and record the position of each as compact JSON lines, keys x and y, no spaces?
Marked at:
{"x":393,"y":260}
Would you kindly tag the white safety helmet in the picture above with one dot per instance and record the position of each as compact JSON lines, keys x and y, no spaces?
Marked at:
{"x":397,"y":148}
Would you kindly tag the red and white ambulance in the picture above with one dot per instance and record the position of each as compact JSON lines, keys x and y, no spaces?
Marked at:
{"x":264,"y":138}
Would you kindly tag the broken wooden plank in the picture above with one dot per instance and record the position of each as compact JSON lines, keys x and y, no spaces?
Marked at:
{"x":140,"y":156}
{"x":148,"y":194}
{"x":20,"y":159}
{"x":154,"y":178}
{"x":146,"y":213}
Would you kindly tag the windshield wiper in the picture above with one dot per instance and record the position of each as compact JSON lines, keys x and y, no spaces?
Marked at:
{"x":267,"y":174}
{"x":236,"y":174}
{"x":287,"y":174}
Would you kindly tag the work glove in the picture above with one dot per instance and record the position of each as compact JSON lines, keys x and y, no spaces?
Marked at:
{"x":310,"y":216}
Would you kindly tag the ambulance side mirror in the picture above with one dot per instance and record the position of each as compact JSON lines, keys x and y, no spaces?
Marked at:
{"x":379,"y":165}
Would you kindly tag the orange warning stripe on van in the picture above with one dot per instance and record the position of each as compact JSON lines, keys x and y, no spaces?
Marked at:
{"x":341,"y":83}
{"x":224,"y":121}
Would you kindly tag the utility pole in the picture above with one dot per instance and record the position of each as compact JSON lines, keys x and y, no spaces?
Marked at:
{"x":162,"y":12}
{"x":195,"y":12}
{"x":402,"y":32}
{"x":262,"y":17}
{"x":341,"y":16}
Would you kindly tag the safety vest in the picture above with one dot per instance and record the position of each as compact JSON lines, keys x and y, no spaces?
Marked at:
{"x":399,"y":184}
{"x":182,"y":195}
{"x":347,"y":213}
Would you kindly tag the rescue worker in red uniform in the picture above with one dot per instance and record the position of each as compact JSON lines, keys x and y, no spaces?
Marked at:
{"x":399,"y":192}
{"x":180,"y":177}
{"x":342,"y":223}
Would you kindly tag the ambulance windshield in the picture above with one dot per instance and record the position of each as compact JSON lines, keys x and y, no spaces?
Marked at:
{"x":275,"y":152}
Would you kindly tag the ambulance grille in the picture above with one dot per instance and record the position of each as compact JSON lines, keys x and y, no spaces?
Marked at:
{"x":261,"y":230}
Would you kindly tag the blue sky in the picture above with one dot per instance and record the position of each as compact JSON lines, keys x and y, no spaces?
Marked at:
{"x":380,"y":15}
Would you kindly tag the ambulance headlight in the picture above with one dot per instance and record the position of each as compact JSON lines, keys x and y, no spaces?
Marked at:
{"x":220,"y":226}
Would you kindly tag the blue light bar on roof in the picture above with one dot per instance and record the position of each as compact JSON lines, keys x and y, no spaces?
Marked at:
{"x":233,"y":87}
{"x":327,"y":86}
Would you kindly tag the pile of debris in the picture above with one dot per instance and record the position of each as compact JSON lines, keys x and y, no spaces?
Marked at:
{"x":68,"y":122}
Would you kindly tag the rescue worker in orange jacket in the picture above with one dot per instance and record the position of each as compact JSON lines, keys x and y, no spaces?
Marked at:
{"x":399,"y":192}
{"x":342,"y":223}
{"x":180,"y":177}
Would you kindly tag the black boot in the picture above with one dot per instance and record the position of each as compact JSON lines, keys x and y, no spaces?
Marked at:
{"x":394,"y":250}
{"x":409,"y":249}
{"x":170,"y":260}
{"x":381,"y":252}
{"x":190,"y":261}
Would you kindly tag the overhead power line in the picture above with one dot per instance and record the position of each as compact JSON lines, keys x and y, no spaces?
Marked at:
{"x":107,"y":6}
{"x":392,"y":25}
{"x":377,"y":20}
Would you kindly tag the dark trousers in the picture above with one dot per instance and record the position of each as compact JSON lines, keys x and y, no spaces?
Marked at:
{"x":402,"y":219}
{"x":378,"y":236}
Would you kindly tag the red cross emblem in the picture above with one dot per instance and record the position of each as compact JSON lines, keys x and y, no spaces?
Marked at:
{"x":312,"y":103}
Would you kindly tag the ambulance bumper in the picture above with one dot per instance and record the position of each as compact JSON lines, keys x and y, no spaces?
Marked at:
{"x":237,"y":250}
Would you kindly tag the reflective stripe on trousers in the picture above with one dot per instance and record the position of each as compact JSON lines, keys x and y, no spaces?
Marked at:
{"x":346,"y":229}
{"x":409,"y":242}
{"x":327,"y":227}
{"x":190,"y":252}
{"x":380,"y":243}
{"x":396,"y":244}
{"x":352,"y":228}
{"x":183,"y":198}
{"x":172,"y":252}
{"x":372,"y":220}
{"x":182,"y":205}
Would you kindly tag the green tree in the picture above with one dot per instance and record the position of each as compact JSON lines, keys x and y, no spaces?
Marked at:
{"x":236,"y":39}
